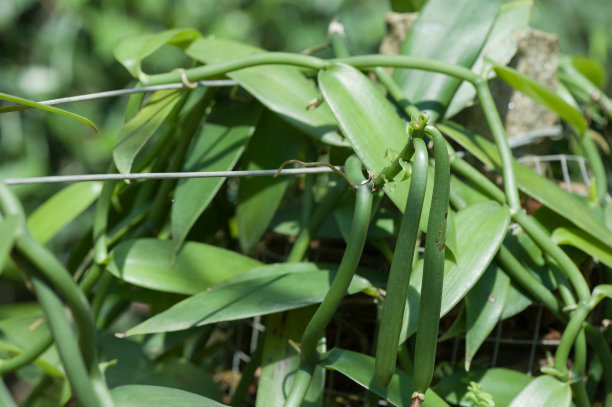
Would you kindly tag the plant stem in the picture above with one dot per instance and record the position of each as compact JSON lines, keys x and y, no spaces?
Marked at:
{"x":30,"y":354}
{"x":300,"y":385}
{"x":599,"y":172}
{"x":396,"y":92}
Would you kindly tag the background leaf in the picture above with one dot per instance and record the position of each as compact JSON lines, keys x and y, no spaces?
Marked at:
{"x":155,"y":396}
{"x":8,"y":232}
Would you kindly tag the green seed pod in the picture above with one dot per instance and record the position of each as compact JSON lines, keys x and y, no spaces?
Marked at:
{"x":401,"y":268}
{"x":433,"y":271}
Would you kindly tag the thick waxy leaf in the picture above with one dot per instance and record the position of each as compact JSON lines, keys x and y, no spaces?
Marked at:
{"x":217,"y":148}
{"x":281,"y":88}
{"x":480,"y":231}
{"x":484,"y":305}
{"x":503,"y":384}
{"x":61,"y":209}
{"x":582,"y":241}
{"x":360,"y":368}
{"x":500,"y":47}
{"x":35,"y":105}
{"x":273,"y":143}
{"x":8,"y":232}
{"x":542,"y":95}
{"x":280,"y":361}
{"x":452,"y":32}
{"x":544,"y":391}
{"x":151,"y":263}
{"x":131,"y":51}
{"x":541,"y":189}
{"x":154,"y":396}
{"x":135,"y":133}
{"x":261,"y":291}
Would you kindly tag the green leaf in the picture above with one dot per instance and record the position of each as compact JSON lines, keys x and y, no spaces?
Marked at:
{"x":61,"y":209}
{"x":501,"y":45}
{"x":135,"y":133}
{"x":449,"y":31}
{"x":484,"y":305}
{"x":544,"y":391}
{"x":8,"y":232}
{"x":131,"y":51}
{"x":151,"y":263}
{"x":154,"y":396}
{"x":481,"y":228}
{"x":217,"y":148}
{"x":542,"y":95}
{"x":360,"y":369}
{"x":36,"y":105}
{"x":591,"y":69}
{"x":260,"y":291}
{"x":583,"y":241}
{"x":541,"y":189}
{"x":600,"y":292}
{"x":281,"y":88}
{"x":273,"y":143}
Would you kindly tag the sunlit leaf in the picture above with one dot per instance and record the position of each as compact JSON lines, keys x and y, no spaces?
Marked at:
{"x":155,"y":396}
{"x":583,"y":241}
{"x":61,"y":209}
{"x":600,"y":292}
{"x":544,"y":391}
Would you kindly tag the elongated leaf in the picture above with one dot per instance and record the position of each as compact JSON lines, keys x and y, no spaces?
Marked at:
{"x":273,"y":143}
{"x":484,"y":305}
{"x":582,"y":241}
{"x":155,"y":396}
{"x":360,"y":369}
{"x":8,"y":232}
{"x":480,"y":231}
{"x":61,"y":209}
{"x":600,"y":292}
{"x":544,"y":391}
{"x":280,"y":361}
{"x":501,"y":45}
{"x":217,"y":148}
{"x":542,"y":95}
{"x":452,"y":32}
{"x":135,"y":133}
{"x":151,"y":263}
{"x":36,"y":105}
{"x":261,"y":291}
{"x":281,"y":88}
{"x":541,"y":189}
{"x":131,"y":51}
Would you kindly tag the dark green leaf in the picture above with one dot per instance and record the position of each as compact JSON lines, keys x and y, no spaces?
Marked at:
{"x":61,"y":209}
{"x":131,"y":51}
{"x":450,"y":31}
{"x":360,"y":368}
{"x":544,"y":391}
{"x":281,"y":88}
{"x":135,"y":133}
{"x":273,"y":143}
{"x":154,"y":396}
{"x":151,"y":263}
{"x":261,"y":291}
{"x":217,"y":148}
{"x":542,"y":95}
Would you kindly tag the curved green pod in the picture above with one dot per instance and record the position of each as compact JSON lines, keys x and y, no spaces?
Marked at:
{"x":401,"y":268}
{"x":433,"y":271}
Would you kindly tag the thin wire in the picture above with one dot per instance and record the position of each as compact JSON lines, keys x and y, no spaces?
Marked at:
{"x":162,"y":175}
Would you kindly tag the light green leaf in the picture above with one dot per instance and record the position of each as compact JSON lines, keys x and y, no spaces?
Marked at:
{"x":542,"y":95}
{"x":544,"y":391}
{"x":8,"y":233}
{"x":600,"y":292}
{"x":484,"y":305}
{"x":467,"y":23}
{"x":131,"y":51}
{"x":217,"y":148}
{"x":481,"y":228}
{"x":151,"y":263}
{"x":155,"y":396}
{"x":36,"y":105}
{"x":281,"y":88}
{"x":541,"y":189}
{"x":61,"y":209}
{"x":360,"y":369}
{"x":260,"y":291}
{"x":135,"y":133}
{"x":591,"y":69}
{"x":512,"y":19}
{"x":273,"y":143}
{"x":583,"y":241}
